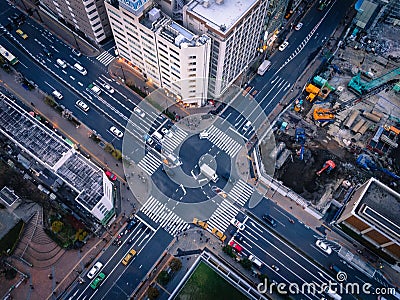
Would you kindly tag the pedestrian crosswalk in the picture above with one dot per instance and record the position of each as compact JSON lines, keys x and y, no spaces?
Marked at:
{"x":223,"y":141}
{"x":149,"y":163}
{"x":241,"y":192}
{"x":105,"y":58}
{"x":170,"y":143}
{"x":222,"y":216}
{"x":163,"y":216}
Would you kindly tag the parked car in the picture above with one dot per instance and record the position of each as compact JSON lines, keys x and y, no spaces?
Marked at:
{"x":283,"y":46}
{"x":111,"y":176}
{"x":115,"y":131}
{"x":94,"y":270}
{"x":57,"y":94}
{"x":82,"y":105}
{"x":324,"y":247}
{"x":235,"y":246}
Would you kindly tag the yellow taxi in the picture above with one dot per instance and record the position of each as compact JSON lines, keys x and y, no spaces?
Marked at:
{"x":200,"y":223}
{"x":219,"y":234}
{"x":125,"y":261}
{"x":22,"y":34}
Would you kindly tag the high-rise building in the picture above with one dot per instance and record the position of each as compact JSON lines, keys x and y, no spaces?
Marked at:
{"x":86,"y":17}
{"x":166,"y":53}
{"x":235,"y":28}
{"x":372,"y":214}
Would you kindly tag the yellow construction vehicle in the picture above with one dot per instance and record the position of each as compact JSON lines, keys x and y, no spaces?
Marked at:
{"x":321,"y":114}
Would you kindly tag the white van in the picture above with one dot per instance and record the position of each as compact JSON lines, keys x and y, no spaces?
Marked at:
{"x":80,"y":69}
{"x":61,"y":63}
{"x":158,"y":136}
{"x":57,"y":94}
{"x":255,"y":261}
{"x":247,"y":126}
{"x":203,"y":135}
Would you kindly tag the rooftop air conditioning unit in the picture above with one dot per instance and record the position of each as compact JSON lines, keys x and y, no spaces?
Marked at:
{"x":206,"y":3}
{"x":219,"y":2}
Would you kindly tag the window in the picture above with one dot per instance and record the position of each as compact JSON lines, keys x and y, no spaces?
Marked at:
{"x":192,"y":69}
{"x":192,"y":63}
{"x":192,"y":57}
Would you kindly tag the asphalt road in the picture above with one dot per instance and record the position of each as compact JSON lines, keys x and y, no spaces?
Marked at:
{"x":121,"y":281}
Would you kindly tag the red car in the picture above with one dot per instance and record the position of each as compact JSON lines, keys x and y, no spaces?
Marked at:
{"x":235,"y":246}
{"x":111,"y":176}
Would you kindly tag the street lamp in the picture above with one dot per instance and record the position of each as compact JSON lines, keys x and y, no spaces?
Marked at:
{"x":123,"y":73}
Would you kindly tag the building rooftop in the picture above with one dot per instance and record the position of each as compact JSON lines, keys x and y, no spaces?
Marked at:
{"x":220,"y":15}
{"x":52,"y":151}
{"x":7,"y":222}
{"x":171,"y":31}
{"x":8,"y":196}
{"x":380,"y":206}
{"x":26,"y":131}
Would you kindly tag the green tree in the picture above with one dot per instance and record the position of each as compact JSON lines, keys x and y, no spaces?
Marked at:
{"x":152,"y":292}
{"x":246,"y":263}
{"x":228,"y":250}
{"x":175,"y":264}
{"x":163,"y":278}
{"x":109,"y":148}
{"x":57,"y":226}
{"x":117,"y":154}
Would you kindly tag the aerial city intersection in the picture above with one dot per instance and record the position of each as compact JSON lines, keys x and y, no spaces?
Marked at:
{"x":202,"y":149}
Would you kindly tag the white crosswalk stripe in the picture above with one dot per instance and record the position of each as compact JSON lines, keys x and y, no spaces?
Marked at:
{"x":241,"y":192}
{"x":222,"y":216}
{"x":162,"y":215}
{"x":170,"y":143}
{"x":105,"y":58}
{"x":149,"y":163}
{"x":223,"y":141}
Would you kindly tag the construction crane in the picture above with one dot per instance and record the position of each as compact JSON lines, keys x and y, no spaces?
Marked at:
{"x":300,"y":137}
{"x":328,"y":166}
{"x":362,"y":87}
{"x":321,"y":114}
{"x":365,"y":161}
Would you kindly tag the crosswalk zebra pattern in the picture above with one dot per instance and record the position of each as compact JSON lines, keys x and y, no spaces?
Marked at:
{"x":105,"y":58}
{"x":162,"y":215}
{"x":149,"y":163}
{"x":222,"y":216}
{"x":241,"y":192}
{"x":223,"y":141}
{"x":170,"y":143}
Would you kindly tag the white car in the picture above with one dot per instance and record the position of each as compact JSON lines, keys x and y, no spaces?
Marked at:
{"x":93,"y":271}
{"x":80,"y":69}
{"x":82,"y":105}
{"x":57,"y":94}
{"x":150,"y":141}
{"x":298,"y":26}
{"x":108,"y":88}
{"x":115,"y":131}
{"x":76,"y":52}
{"x":139,"y":112}
{"x":237,"y":224}
{"x":166,"y":132}
{"x":324,"y":247}
{"x":283,"y":46}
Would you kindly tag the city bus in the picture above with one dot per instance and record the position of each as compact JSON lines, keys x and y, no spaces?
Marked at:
{"x":7,"y":55}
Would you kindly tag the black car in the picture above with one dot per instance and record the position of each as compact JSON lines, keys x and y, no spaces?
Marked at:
{"x":269,"y":220}
{"x":47,"y":52}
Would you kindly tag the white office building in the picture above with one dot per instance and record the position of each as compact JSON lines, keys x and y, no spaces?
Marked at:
{"x":236,"y":30}
{"x":169,"y":55}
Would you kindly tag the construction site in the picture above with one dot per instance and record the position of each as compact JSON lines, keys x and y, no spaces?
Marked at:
{"x":343,"y":128}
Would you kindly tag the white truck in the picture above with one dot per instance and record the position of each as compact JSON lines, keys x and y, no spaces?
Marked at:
{"x":263,"y":67}
{"x":209,"y":172}
{"x":255,"y":261}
